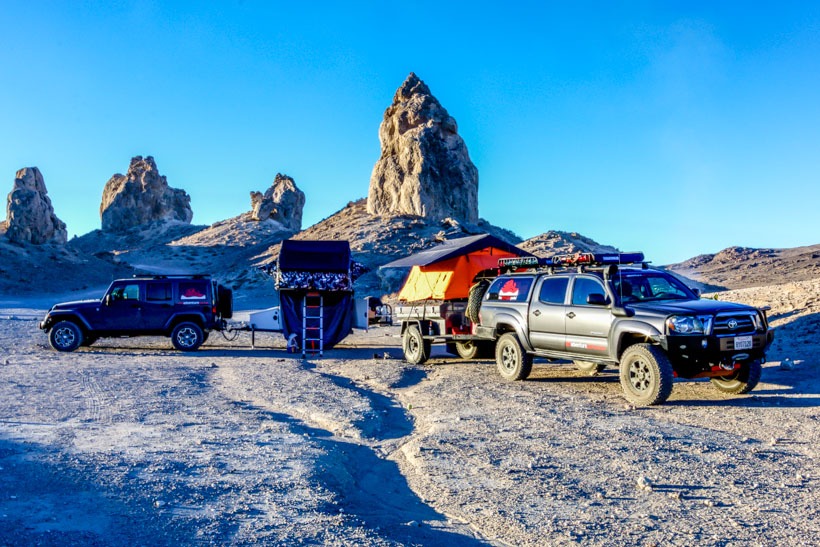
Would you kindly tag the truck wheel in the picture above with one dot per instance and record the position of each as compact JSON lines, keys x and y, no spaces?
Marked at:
{"x":646,"y":375}
{"x":513,"y":362}
{"x":416,"y":348}
{"x":65,"y":336}
{"x":743,"y":381}
{"x":187,"y":336}
{"x":589,"y":368}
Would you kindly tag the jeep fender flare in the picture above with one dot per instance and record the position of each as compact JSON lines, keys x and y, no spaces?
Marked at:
{"x":505,"y":322}
{"x":634,"y":330}
{"x":198,"y":318}
{"x":57,"y":316}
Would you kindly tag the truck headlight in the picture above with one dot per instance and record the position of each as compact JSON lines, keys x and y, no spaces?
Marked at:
{"x":688,"y":324}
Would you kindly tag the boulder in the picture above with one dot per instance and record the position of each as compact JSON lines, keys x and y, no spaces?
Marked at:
{"x":30,"y":216}
{"x":424,"y":168}
{"x":142,"y":196}
{"x":282,"y":202}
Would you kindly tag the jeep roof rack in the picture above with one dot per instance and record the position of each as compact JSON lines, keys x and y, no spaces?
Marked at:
{"x":171,"y":276}
{"x":579,"y":260}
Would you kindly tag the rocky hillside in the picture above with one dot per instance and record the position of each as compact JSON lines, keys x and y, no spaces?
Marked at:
{"x":555,"y":242}
{"x":741,"y":267}
{"x":377,"y":240}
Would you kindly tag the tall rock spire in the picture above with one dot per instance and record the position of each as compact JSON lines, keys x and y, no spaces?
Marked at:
{"x":424,"y":168}
{"x":30,"y":216}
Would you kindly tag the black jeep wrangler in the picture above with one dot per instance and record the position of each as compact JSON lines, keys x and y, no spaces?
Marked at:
{"x":184,"y":307}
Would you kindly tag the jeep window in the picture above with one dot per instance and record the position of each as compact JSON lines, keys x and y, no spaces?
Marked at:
{"x":158,"y":292}
{"x":510,"y":289}
{"x":553,"y":290}
{"x":583,"y":287}
{"x":126,"y":292}
{"x":643,"y":286}
{"x":192,"y":290}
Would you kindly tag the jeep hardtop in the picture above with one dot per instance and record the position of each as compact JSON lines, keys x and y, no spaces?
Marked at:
{"x":184,"y":307}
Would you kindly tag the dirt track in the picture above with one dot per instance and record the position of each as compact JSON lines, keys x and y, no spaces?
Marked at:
{"x":128,"y":442}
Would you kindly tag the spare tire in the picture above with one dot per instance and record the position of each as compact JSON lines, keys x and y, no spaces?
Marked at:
{"x":476,"y":296}
{"x":224,"y":301}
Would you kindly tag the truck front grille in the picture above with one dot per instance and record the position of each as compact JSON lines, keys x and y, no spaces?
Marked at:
{"x":734,"y":324}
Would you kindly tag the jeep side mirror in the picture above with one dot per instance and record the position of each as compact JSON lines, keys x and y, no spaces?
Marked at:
{"x":696,"y":291}
{"x":596,"y":299}
{"x":107,"y":300}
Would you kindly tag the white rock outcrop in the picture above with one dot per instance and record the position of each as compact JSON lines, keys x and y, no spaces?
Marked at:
{"x":30,"y":216}
{"x":142,"y":196}
{"x":424,"y":168}
{"x":282,"y":202}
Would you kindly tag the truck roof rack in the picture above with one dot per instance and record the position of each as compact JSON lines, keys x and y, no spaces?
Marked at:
{"x":579,"y":260}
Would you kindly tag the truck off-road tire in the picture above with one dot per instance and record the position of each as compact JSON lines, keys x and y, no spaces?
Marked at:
{"x":743,"y":381}
{"x":187,"y":336}
{"x":646,"y":375}
{"x":513,"y":362}
{"x":474,"y":301}
{"x":588,"y":367}
{"x":65,"y":336}
{"x":416,"y":348}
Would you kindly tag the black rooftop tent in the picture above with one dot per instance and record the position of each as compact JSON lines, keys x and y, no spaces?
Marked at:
{"x":315,"y":292}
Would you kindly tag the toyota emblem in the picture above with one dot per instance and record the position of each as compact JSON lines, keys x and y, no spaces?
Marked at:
{"x":732,"y":324}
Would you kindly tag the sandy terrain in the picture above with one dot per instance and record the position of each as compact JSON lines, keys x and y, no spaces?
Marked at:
{"x":128,"y":442}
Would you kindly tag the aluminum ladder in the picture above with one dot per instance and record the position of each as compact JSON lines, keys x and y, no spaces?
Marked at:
{"x":313,"y":323}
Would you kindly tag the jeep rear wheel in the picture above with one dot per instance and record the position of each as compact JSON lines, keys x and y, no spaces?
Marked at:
{"x":646,"y":375}
{"x":416,"y":348}
{"x":513,"y":362}
{"x":187,"y":336}
{"x":742,"y":381}
{"x":65,"y":336}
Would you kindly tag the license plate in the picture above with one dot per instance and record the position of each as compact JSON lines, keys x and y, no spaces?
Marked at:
{"x":743,"y":342}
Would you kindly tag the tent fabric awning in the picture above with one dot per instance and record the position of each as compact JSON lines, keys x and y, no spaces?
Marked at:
{"x":454,"y":248}
{"x":451,"y":278}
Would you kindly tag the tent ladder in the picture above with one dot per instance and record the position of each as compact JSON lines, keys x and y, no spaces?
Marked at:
{"x":313,"y":318}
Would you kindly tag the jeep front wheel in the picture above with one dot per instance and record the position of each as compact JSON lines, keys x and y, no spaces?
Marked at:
{"x":742,"y":381}
{"x":646,"y":375}
{"x":416,"y":348}
{"x":513,"y":362}
{"x":65,"y":336}
{"x":187,"y":336}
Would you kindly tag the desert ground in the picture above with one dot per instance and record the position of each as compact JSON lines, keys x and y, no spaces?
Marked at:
{"x":128,"y":442}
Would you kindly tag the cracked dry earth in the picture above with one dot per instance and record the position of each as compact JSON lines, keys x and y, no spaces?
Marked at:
{"x":128,"y":442}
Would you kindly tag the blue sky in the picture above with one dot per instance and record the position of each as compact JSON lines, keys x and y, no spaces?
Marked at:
{"x":676,"y":128}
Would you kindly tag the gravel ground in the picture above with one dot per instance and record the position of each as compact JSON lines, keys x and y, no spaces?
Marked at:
{"x":129,"y":442}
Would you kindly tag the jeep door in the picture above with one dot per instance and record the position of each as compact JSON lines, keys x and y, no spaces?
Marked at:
{"x":158,"y":306}
{"x":587,"y":325}
{"x":547,"y":316}
{"x":121,"y":309}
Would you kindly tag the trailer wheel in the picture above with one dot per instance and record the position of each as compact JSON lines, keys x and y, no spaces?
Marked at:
{"x":416,"y":348}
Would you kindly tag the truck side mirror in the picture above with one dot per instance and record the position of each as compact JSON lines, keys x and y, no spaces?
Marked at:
{"x":107,"y":300}
{"x":596,"y":299}
{"x":696,"y":291}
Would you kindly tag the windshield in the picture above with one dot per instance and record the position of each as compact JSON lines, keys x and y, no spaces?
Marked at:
{"x":644,"y":285}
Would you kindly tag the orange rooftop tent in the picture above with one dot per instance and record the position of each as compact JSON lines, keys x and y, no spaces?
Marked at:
{"x":446,"y":271}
